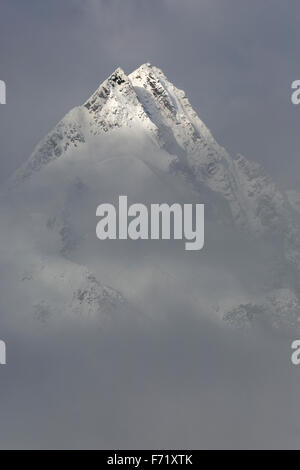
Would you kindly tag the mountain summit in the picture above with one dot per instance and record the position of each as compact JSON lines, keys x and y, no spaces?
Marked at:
{"x":138,"y":135}
{"x":146,"y":103}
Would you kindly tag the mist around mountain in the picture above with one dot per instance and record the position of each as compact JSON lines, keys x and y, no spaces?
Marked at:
{"x":141,"y":343}
{"x":138,"y":135}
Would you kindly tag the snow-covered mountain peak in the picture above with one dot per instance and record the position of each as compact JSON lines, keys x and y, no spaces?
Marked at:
{"x":147,"y":69}
{"x":116,"y":83}
{"x":139,"y":135}
{"x":146,"y":106}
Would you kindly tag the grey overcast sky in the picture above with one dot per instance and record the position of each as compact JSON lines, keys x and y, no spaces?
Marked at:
{"x":235,"y":60}
{"x":180,"y":382}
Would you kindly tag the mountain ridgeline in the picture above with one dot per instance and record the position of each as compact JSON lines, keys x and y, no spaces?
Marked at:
{"x":138,"y":135}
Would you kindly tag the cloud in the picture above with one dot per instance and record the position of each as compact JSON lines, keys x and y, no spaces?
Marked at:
{"x":174,"y":379}
{"x":173,"y":383}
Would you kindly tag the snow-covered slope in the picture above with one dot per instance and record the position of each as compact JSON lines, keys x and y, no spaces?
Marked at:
{"x":138,"y":135}
{"x":147,"y":103}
